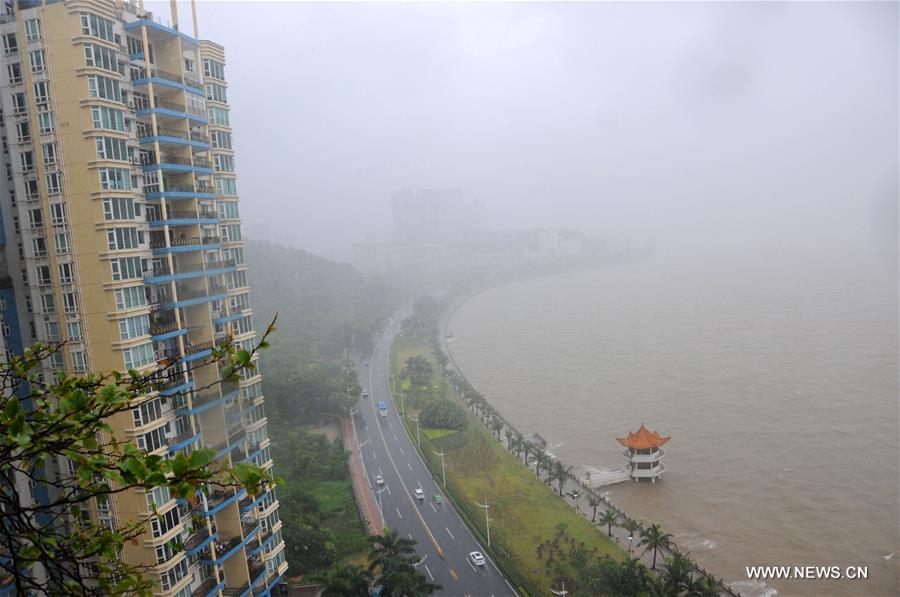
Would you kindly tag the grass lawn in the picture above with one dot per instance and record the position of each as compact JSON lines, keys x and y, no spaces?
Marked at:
{"x":434,"y":434}
{"x":524,"y":511}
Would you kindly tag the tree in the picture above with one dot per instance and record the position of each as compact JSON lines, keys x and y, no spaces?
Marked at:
{"x":442,"y":413}
{"x":654,"y":538}
{"x":389,"y":550}
{"x":497,"y":426}
{"x":345,"y":580}
{"x":676,"y":574}
{"x":628,"y":578}
{"x":632,"y":527}
{"x":419,"y":370}
{"x":594,"y":502}
{"x":527,"y":447}
{"x":561,"y":473}
{"x":542,"y":460}
{"x":608,"y":518}
{"x":394,"y":556}
{"x":48,"y":545}
{"x":405,"y":581}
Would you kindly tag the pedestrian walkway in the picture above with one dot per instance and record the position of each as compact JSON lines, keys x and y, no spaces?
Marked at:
{"x":365,"y":501}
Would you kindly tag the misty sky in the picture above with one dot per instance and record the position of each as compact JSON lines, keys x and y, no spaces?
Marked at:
{"x":673,"y":121}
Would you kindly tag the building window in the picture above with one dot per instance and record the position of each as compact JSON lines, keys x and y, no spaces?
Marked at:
{"x":225,"y":186}
{"x":96,"y":26}
{"x":128,"y":268}
{"x":120,"y":208}
{"x":74,"y":331}
{"x":104,"y":87}
{"x":134,"y":327}
{"x":70,"y":302}
{"x":48,"y":303}
{"x":57,"y":214}
{"x":62,"y":243}
{"x":42,"y":273}
{"x":23,"y":131}
{"x":228,"y":210}
{"x":79,"y":364}
{"x":101,"y":57}
{"x":10,"y":44}
{"x":108,"y":118}
{"x":218,"y":116}
{"x":214,"y":69}
{"x":221,"y":139}
{"x":32,"y":29}
{"x":66,"y":273}
{"x":115,"y":179}
{"x":19,"y":103}
{"x":224,"y":163}
{"x":45,"y":122}
{"x":26,"y":159}
{"x":54,"y":183}
{"x":51,"y":331}
{"x":49,"y":151}
{"x":216,"y":93}
{"x":139,"y":356}
{"x":39,"y":246}
{"x":131,"y":297}
{"x":231,"y":233}
{"x":14,"y":71}
{"x":124,"y":239}
{"x":110,"y":148}
{"x":36,"y":60}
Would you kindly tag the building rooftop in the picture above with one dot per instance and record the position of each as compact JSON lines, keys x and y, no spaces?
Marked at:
{"x":643,"y":439}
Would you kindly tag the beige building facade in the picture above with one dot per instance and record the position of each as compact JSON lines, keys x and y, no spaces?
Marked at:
{"x":123,"y":240}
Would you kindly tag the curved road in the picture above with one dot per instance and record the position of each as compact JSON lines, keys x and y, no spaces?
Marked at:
{"x":444,"y":542}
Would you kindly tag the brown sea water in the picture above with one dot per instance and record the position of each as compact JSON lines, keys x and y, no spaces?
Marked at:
{"x":776,"y":377}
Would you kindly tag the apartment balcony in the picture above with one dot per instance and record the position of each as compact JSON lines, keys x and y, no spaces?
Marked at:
{"x":174,"y":163}
{"x":163,"y":273}
{"x":205,"y":588}
{"x":257,"y":573}
{"x":185,"y":244}
{"x":200,"y":190}
{"x":203,"y":401}
{"x":167,"y":79}
{"x":168,"y":109}
{"x":167,"y":136}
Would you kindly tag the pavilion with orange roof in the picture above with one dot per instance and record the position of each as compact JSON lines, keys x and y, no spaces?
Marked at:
{"x":643,"y":449}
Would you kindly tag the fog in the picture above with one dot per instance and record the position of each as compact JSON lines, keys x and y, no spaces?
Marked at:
{"x":693,"y":124}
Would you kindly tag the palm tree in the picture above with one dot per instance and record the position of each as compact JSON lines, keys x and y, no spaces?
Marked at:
{"x":527,"y":447}
{"x":497,"y":426}
{"x":676,"y":574}
{"x":631,"y":526}
{"x":703,"y":586}
{"x":608,"y":518}
{"x":509,"y":435}
{"x":406,"y":581}
{"x":345,"y":580}
{"x":561,"y":472}
{"x":594,"y":502}
{"x":654,"y":538}
{"x":389,"y":550}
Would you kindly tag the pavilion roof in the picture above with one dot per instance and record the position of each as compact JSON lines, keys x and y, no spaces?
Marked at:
{"x":643,"y":439}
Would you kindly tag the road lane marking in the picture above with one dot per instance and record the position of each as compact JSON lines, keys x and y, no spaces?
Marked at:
{"x":410,"y":466}
{"x":374,"y":455}
{"x":432,"y":507}
{"x":449,"y":533}
{"x":395,"y":438}
{"x":437,"y":546}
{"x":510,"y":586}
{"x":409,"y":535}
{"x":398,"y":512}
{"x":453,"y":574}
{"x":472,"y":566}
{"x":401,"y":451}
{"x":420,"y":485}
{"x":430,"y":575}
{"x":380,"y":472}
{"x":388,"y":489}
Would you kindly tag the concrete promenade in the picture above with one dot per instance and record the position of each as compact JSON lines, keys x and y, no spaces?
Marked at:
{"x":368,"y":509}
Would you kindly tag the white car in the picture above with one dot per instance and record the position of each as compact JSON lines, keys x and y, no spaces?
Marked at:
{"x":420,"y":495}
{"x":476,"y":558}
{"x":379,"y":479}
{"x":365,"y":393}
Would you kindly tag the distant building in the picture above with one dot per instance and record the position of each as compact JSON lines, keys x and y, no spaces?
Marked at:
{"x":644,"y":452}
{"x":433,"y":216}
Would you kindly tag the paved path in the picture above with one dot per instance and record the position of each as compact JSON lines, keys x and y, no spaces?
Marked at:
{"x":368,"y":509}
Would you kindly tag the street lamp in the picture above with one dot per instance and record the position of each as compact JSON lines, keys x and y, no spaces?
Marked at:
{"x":562,"y":592}
{"x":418,"y":439}
{"x":630,"y":539}
{"x":487,"y":519}
{"x":443,"y":473}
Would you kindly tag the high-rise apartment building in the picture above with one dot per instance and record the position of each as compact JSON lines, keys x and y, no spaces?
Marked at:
{"x":123,"y":240}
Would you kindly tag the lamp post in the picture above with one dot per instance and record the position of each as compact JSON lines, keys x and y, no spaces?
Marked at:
{"x":418,"y":439}
{"x":562,"y":592}
{"x":443,"y":472}
{"x":487,"y":519}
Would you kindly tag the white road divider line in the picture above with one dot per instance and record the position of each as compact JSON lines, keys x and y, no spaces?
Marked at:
{"x":449,"y":533}
{"x":398,"y":512}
